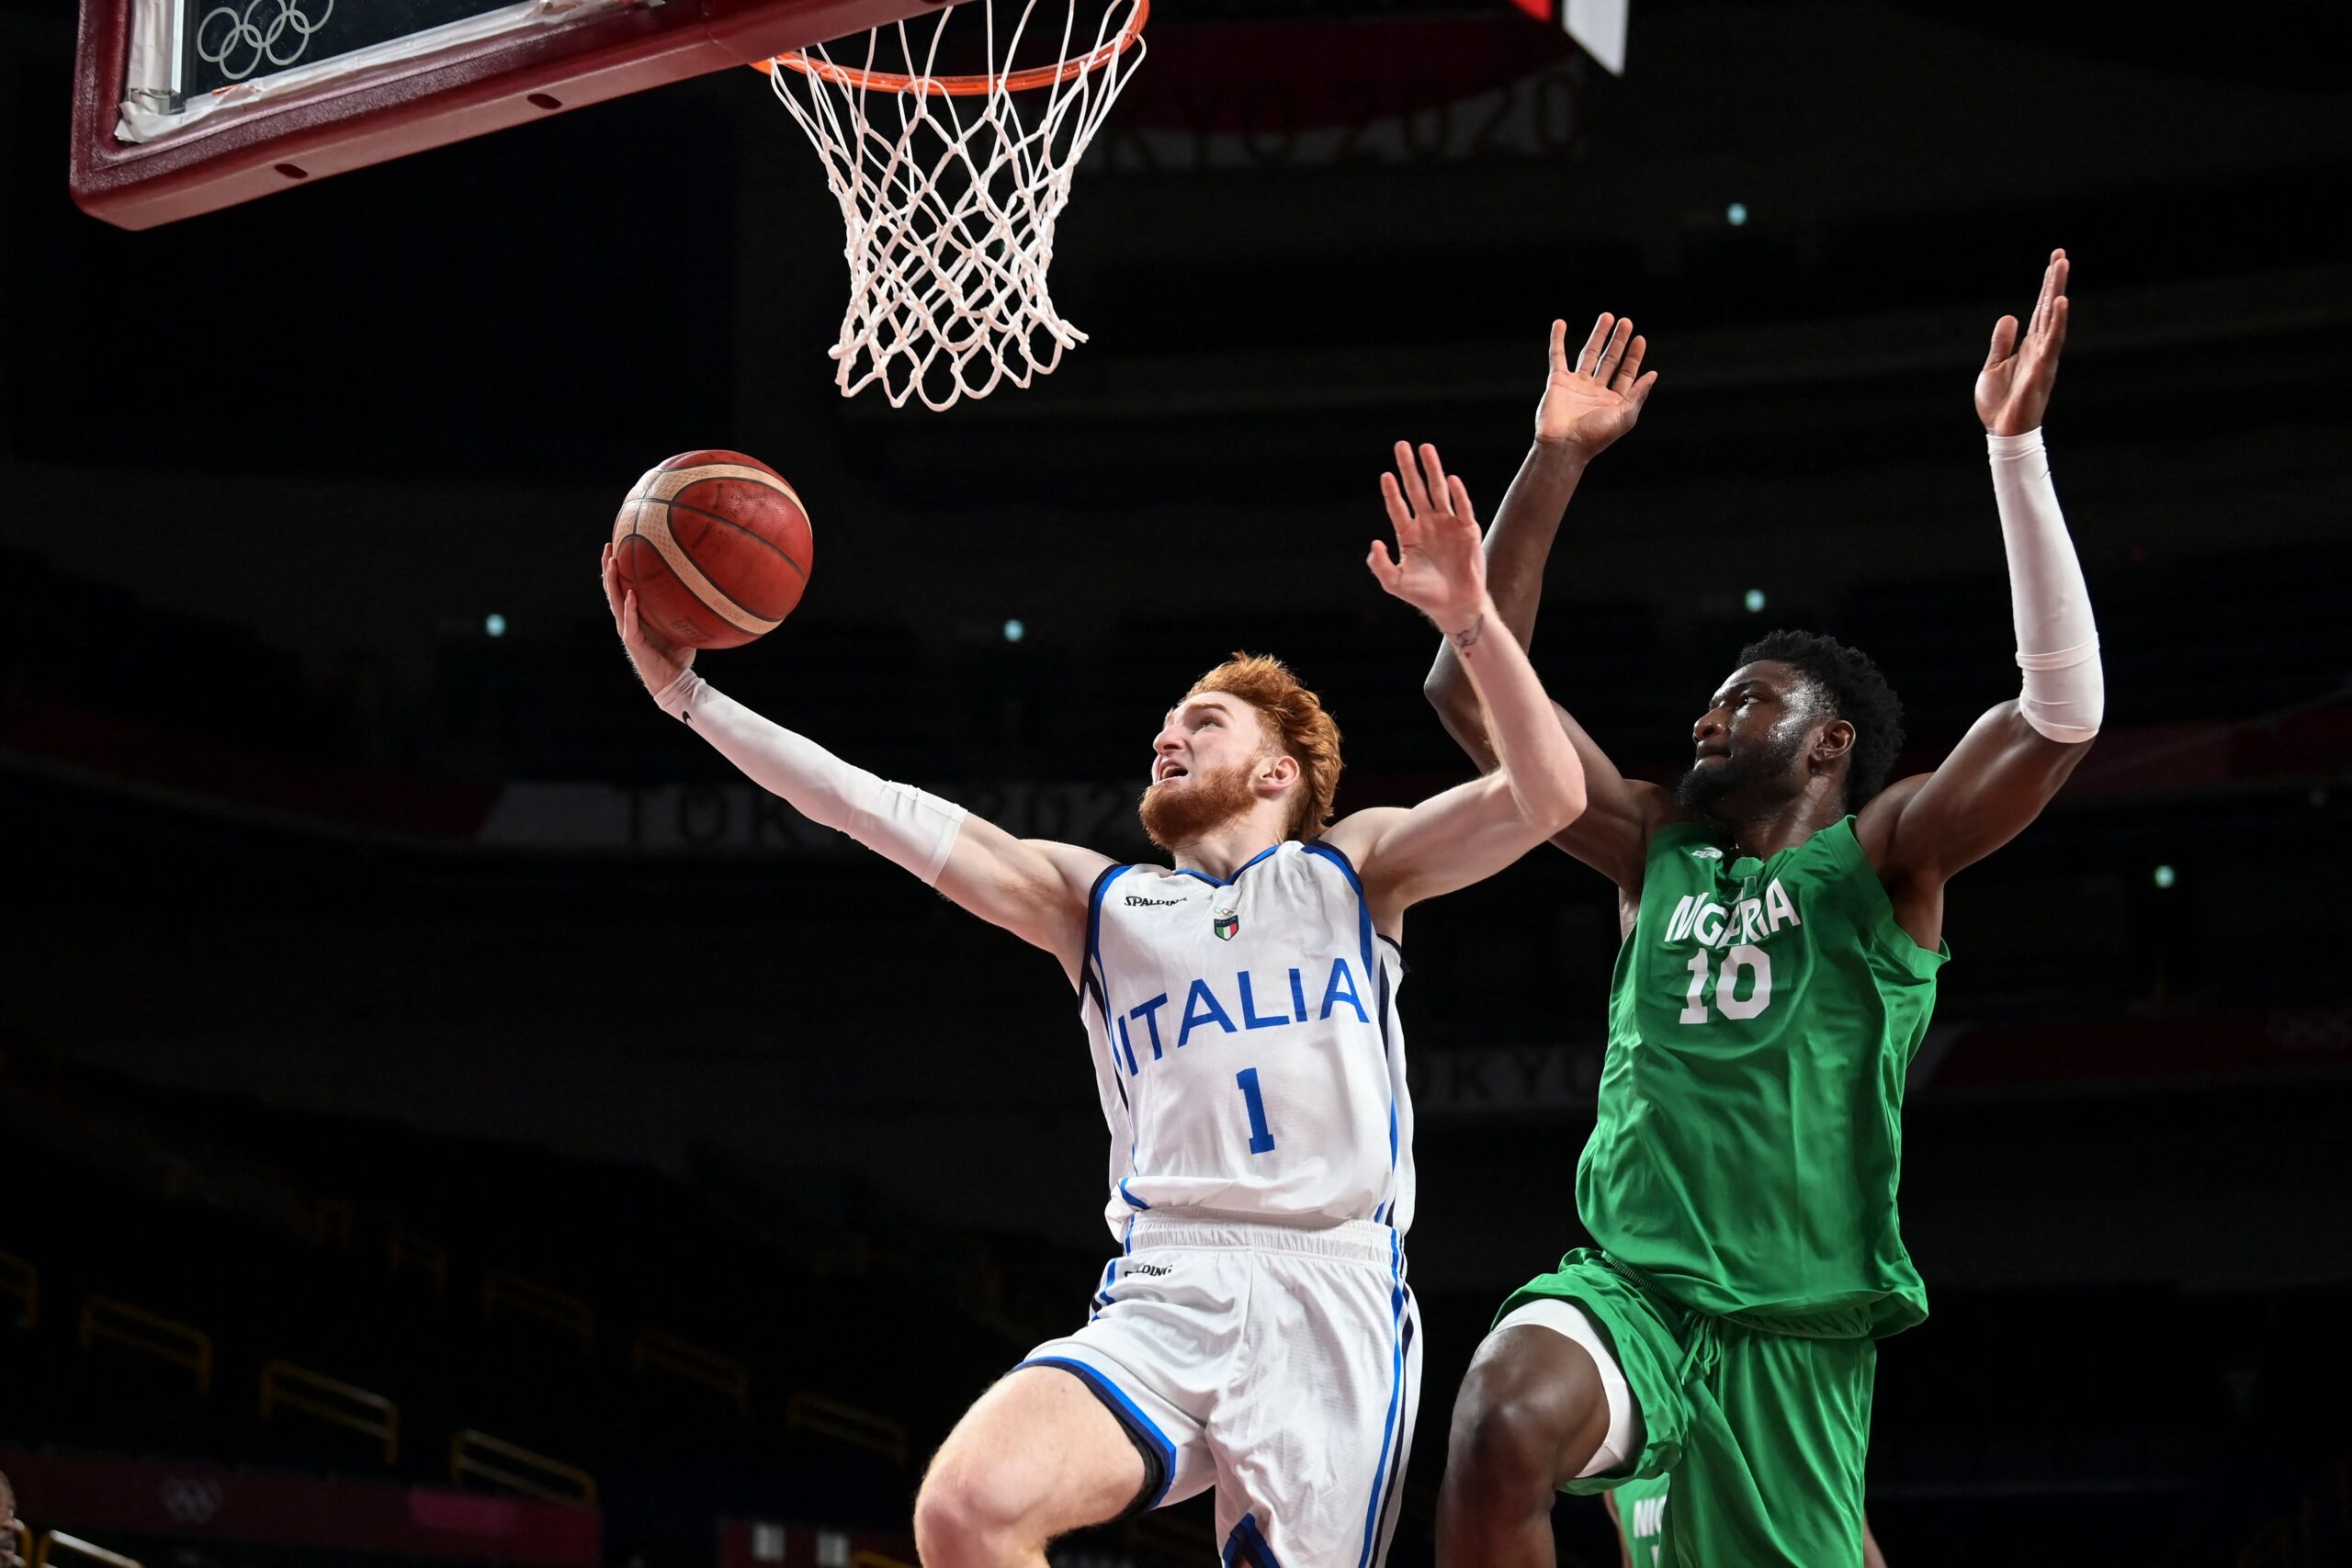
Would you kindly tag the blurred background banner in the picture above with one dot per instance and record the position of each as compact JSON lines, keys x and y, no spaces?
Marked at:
{"x":173,"y":1499}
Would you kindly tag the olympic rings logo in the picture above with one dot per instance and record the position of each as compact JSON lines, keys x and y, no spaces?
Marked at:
{"x":249,"y":43}
{"x":190,"y":1501}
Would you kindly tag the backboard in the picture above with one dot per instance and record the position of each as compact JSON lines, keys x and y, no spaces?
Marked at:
{"x":184,"y":106}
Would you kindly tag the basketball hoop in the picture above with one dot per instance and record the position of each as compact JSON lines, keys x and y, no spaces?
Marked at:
{"x":950,"y":186}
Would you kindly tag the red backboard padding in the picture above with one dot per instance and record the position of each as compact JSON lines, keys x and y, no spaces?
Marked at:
{"x":469,"y":90}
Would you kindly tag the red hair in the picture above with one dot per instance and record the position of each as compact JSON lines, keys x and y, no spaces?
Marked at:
{"x":1295,"y":726}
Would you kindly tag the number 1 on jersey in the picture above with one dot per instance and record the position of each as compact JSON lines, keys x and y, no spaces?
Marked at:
{"x":1260,"y":1140}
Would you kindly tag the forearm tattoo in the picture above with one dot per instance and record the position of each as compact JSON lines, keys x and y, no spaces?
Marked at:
{"x":1468,"y":637}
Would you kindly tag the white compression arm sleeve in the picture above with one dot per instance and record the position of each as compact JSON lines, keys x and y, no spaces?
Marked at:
{"x":2065,"y":691}
{"x":897,"y":821}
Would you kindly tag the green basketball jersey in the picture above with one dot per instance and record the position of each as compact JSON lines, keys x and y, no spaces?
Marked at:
{"x":1749,"y":1135}
{"x":1641,"y":1517}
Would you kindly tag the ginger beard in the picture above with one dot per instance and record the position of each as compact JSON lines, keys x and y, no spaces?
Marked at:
{"x":1197,"y":804}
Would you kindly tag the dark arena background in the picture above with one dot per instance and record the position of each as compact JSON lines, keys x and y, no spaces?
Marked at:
{"x":451,"y":1117}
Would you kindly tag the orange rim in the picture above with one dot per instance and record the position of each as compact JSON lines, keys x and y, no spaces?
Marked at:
{"x":964,"y":87}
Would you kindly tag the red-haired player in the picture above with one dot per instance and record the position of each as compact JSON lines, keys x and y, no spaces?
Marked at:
{"x":1255,"y":1332}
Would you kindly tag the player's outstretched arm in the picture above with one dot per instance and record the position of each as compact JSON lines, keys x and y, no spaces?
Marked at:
{"x":1035,"y":888}
{"x":2013,"y":761}
{"x":1587,"y":405}
{"x":1537,"y":787}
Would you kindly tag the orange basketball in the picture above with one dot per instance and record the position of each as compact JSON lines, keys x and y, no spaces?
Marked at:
{"x":717,"y":547}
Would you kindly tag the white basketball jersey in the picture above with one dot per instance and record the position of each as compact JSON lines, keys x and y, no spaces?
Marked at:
{"x":1247,"y":1043}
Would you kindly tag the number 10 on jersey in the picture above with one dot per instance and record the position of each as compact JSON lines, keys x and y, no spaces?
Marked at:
{"x":1743,"y":959}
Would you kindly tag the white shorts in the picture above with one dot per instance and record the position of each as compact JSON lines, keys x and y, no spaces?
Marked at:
{"x":1281,"y":1366}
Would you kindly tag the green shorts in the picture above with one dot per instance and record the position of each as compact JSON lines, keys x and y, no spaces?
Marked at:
{"x":1764,"y":1433}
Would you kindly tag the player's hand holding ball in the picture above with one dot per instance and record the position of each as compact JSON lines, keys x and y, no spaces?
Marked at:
{"x":710,"y":549}
{"x":659,"y":661}
{"x":1440,"y":565}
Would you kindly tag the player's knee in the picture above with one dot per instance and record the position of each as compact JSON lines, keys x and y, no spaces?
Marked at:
{"x":1505,"y":1442}
{"x":969,"y":1511}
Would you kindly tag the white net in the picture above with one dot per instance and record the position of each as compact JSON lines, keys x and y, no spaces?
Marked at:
{"x":951,"y":186}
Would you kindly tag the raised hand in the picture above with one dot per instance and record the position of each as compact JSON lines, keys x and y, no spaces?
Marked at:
{"x":2013,"y":389}
{"x":659,"y":661}
{"x":1591,"y":403}
{"x":1440,"y":568}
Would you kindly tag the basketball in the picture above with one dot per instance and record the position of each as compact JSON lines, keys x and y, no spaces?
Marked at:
{"x":717,"y":547}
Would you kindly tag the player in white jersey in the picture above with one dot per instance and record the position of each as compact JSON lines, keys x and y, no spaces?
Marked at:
{"x":1255,"y":1332}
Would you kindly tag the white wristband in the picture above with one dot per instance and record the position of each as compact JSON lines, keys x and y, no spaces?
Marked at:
{"x":2065,"y":691}
{"x":897,"y":821}
{"x":671,"y":698}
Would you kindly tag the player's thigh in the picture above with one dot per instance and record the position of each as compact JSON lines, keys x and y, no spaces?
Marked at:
{"x":1036,"y":1455}
{"x":1802,"y":1408}
{"x":1773,"y":1471}
{"x":1316,"y":1429}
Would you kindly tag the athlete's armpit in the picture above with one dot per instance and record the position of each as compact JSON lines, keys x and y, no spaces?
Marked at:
{"x":1035,"y":889}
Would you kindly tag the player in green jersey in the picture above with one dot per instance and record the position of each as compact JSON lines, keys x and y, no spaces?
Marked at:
{"x":1782,"y":911}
